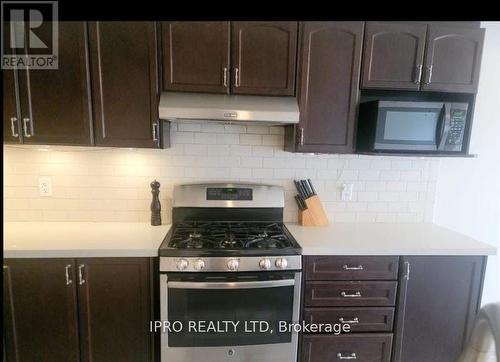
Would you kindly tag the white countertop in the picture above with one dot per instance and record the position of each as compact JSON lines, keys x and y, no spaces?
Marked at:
{"x":386,"y":239}
{"x":115,"y":239}
{"x":81,"y":239}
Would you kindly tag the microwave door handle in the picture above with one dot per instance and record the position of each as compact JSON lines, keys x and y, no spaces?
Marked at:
{"x":231,"y":285}
{"x":444,"y":126}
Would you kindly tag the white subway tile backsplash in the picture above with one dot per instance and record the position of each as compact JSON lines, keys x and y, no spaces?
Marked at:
{"x":250,"y":139}
{"x":109,"y":184}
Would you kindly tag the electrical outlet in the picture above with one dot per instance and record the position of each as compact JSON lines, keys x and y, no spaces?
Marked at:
{"x":45,"y":186}
{"x":347,"y":192}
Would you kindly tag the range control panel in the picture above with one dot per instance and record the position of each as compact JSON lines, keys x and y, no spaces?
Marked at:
{"x":229,"y":193}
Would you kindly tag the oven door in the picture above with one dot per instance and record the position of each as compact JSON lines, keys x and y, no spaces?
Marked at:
{"x":229,"y":317}
{"x":409,"y":126}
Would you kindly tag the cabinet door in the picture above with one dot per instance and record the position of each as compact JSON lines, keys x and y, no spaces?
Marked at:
{"x":57,"y":102}
{"x":196,"y":56}
{"x":114,"y":299}
{"x":393,"y":55}
{"x":453,"y":59}
{"x":124,"y":83}
{"x":329,"y":73}
{"x":11,"y":115}
{"x":263,"y":55}
{"x":40,"y":310}
{"x":436,"y":306}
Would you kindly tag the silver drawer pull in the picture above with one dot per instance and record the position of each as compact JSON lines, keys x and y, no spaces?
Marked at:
{"x":355,"y":320}
{"x":66,"y":272}
{"x":347,"y":267}
{"x":349,"y":355}
{"x":347,"y":295}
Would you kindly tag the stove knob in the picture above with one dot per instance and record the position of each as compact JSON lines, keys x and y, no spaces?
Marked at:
{"x":182,"y":264}
{"x":265,"y":264}
{"x":199,"y":264}
{"x":233,"y":264}
{"x":281,"y":263}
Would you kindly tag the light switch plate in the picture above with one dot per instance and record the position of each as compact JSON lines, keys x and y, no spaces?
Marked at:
{"x":45,"y":186}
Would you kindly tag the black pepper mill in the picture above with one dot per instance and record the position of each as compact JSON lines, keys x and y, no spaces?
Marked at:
{"x":155,"y":204}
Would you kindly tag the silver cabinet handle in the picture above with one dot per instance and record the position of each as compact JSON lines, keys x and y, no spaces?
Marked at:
{"x":155,"y":131}
{"x":354,"y":320}
{"x":347,"y":267}
{"x":349,"y":355}
{"x":80,"y":274}
{"x":418,"y":74}
{"x":407,"y":270}
{"x":27,"y":134}
{"x":354,"y":295}
{"x":236,"y":77}
{"x":429,"y":75}
{"x":13,"y":120}
{"x":301,"y":136}
{"x":224,"y":76}
{"x":66,"y":272}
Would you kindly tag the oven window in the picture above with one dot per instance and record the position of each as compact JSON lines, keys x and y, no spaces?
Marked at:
{"x":223,"y":306}
{"x":408,"y":125}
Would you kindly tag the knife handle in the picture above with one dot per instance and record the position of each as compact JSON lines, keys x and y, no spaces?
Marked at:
{"x":311,"y":186}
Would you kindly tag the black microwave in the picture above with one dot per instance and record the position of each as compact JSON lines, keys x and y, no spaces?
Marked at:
{"x":402,"y":126}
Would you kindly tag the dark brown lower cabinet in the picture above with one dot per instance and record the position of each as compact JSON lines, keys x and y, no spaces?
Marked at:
{"x":40,"y":310}
{"x":374,"y":347}
{"x":114,"y":305}
{"x":436,"y":300}
{"x":437,"y":305}
{"x":91,"y":309}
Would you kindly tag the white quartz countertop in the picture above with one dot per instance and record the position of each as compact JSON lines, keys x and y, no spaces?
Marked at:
{"x":386,"y":239}
{"x":81,"y":239}
{"x":115,"y":239}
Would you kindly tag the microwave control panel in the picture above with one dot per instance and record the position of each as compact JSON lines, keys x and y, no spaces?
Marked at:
{"x":456,"y":130}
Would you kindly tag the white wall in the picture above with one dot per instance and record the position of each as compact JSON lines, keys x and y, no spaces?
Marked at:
{"x":468,"y":190}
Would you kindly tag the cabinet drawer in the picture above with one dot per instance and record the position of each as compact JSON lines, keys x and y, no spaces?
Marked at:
{"x":347,"y":347}
{"x":346,"y":294}
{"x":351,"y":267}
{"x":360,"y":319}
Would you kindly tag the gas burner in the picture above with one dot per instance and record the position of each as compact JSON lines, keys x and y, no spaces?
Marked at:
{"x":229,"y":236}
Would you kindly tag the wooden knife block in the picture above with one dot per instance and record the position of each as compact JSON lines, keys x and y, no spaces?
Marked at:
{"x":314,"y":215}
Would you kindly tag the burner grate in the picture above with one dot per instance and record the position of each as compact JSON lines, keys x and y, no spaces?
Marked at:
{"x":229,"y":235}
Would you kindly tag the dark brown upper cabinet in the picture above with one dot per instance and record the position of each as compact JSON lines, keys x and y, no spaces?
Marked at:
{"x":195,"y":56}
{"x":393,"y":55}
{"x":53,"y":106}
{"x":115,"y":309}
{"x":12,"y":132}
{"x":329,"y":70}
{"x":263,"y":55}
{"x":453,"y":59}
{"x":40,"y":310}
{"x":123,"y":58}
{"x":420,"y":56}
{"x":439,"y":297}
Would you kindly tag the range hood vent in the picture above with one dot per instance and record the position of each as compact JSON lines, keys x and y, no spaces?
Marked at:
{"x":177,"y":106}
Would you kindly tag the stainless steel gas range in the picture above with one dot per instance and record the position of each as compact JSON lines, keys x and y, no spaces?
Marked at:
{"x":230,"y":276}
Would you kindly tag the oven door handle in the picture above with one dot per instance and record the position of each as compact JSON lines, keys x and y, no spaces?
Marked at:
{"x":231,"y":285}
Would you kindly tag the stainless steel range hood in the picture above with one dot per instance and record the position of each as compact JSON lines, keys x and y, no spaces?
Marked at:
{"x":177,"y":106}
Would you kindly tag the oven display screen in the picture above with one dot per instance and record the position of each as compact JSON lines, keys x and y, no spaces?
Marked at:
{"x":229,"y":193}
